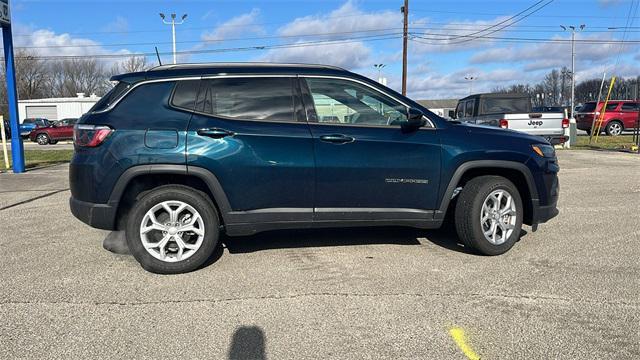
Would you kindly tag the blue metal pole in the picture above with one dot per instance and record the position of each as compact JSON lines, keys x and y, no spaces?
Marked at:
{"x":17,"y":149}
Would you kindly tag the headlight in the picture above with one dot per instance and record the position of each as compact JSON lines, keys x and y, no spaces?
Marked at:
{"x":544,"y":150}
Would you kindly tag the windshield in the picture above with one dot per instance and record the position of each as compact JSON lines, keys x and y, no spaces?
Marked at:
{"x":111,"y":96}
{"x":506,"y":105}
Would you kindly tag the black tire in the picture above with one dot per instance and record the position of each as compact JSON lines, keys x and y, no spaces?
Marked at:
{"x":53,"y":142}
{"x":42,"y":139}
{"x":196,"y":199}
{"x":609,"y":129}
{"x":588,"y":132}
{"x":468,"y":211}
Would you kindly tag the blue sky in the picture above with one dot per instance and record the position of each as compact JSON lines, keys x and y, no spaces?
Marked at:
{"x":352,"y":34}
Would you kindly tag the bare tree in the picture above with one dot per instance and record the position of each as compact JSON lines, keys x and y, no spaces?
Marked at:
{"x":69,"y":77}
{"x":31,"y":75}
{"x":134,"y":64}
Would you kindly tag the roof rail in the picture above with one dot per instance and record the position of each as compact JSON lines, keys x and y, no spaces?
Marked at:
{"x":238,"y":64}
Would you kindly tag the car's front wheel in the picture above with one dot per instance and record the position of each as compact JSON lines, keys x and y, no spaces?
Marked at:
{"x":42,"y":139}
{"x":172,"y":229}
{"x":488,"y":215}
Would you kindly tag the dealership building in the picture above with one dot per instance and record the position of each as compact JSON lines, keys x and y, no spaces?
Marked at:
{"x":56,"y":108}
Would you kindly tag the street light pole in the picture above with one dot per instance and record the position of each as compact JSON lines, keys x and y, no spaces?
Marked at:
{"x":379,"y":67}
{"x":573,"y":30}
{"x":470,"y":78}
{"x":173,"y":24}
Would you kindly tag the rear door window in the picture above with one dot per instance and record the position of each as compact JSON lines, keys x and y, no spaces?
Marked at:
{"x":257,"y":98}
{"x":611,"y":106}
{"x":468,"y":108}
{"x":460,"y":110}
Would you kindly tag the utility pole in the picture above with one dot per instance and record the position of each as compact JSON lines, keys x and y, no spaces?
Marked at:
{"x":470,"y":78}
{"x":173,"y":24}
{"x":405,"y":30}
{"x":573,"y":30}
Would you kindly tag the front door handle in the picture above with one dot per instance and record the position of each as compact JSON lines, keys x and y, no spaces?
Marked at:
{"x":337,"y":138}
{"x":215,"y":133}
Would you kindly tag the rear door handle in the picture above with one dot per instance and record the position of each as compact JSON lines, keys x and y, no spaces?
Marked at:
{"x":337,"y":138}
{"x":215,"y":133}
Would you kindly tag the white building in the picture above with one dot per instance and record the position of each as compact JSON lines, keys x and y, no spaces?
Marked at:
{"x":56,"y":108}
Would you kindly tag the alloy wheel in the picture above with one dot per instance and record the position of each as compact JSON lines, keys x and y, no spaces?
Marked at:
{"x":615,"y":129}
{"x":172,"y":231}
{"x":42,"y":139}
{"x":498,"y":216}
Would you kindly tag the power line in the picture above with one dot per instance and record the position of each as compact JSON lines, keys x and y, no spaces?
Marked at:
{"x":384,"y":31}
{"x":520,"y":39}
{"x":514,"y":18}
{"x":220,"y":50}
{"x":564,"y":16}
{"x":212,"y":40}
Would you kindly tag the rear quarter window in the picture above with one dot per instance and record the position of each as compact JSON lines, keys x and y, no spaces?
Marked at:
{"x":147,"y":107}
{"x":185,"y":93}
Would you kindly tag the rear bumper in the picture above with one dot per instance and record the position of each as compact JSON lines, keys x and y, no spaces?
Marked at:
{"x":101,"y":216}
{"x":556,"y":139}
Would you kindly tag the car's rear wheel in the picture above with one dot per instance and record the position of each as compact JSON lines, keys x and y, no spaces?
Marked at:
{"x":42,"y":139}
{"x":172,"y":229}
{"x":488,"y":215}
{"x":614,"y":128}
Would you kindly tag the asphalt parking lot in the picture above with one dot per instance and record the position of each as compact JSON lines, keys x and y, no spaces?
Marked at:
{"x":569,"y":290}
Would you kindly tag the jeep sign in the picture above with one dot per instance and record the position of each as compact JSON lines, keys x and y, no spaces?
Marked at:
{"x":5,"y":16}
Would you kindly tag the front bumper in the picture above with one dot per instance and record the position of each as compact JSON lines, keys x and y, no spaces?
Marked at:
{"x":101,"y":216}
{"x":544,"y":213}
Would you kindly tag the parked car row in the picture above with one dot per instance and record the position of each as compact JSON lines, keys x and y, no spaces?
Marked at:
{"x":513,"y":111}
{"x":619,"y":115}
{"x":44,"y":131}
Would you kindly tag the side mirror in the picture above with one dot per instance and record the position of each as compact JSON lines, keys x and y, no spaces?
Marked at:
{"x":415,"y":120}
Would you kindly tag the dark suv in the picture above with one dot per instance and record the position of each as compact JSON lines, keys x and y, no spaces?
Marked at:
{"x":180,"y":153}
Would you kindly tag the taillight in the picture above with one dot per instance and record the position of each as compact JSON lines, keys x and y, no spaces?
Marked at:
{"x":504,"y":123}
{"x":90,"y":135}
{"x":565,"y":123}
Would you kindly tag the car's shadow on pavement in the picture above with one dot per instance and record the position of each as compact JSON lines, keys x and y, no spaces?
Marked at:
{"x":286,"y":239}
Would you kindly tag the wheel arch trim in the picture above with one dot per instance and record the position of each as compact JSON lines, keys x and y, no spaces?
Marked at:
{"x":478,"y":164}
{"x":220,"y":198}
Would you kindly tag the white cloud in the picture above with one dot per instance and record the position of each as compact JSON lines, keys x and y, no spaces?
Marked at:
{"x":608,"y":3}
{"x":120,"y":24}
{"x":345,"y":22}
{"x":451,"y":86}
{"x":347,"y":18}
{"x":47,"y":43}
{"x":350,"y":56}
{"x":236,"y":26}
{"x":453,"y":36}
{"x":544,"y":56}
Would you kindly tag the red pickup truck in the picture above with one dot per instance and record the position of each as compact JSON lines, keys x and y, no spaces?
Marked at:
{"x":59,"y":130}
{"x":620,"y":115}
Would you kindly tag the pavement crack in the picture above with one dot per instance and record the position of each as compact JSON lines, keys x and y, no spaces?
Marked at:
{"x":328,"y":294}
{"x":32,"y":199}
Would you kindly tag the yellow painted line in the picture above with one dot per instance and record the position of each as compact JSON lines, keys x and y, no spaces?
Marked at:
{"x":457,"y":334}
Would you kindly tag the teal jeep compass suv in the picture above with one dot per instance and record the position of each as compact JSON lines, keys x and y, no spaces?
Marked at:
{"x":179,"y":154}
